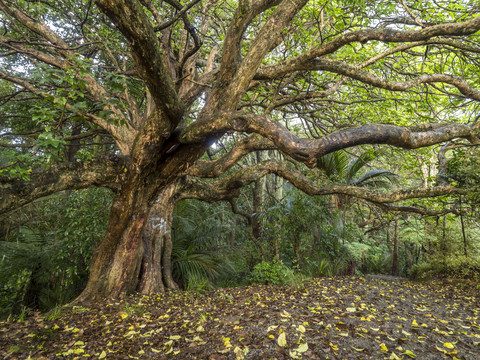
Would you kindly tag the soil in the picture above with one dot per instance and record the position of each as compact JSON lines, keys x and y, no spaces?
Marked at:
{"x":328,"y":318}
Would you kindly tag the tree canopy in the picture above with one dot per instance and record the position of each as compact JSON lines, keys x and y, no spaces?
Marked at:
{"x":161,"y":100}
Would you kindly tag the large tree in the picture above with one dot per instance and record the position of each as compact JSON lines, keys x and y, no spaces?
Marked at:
{"x":156,"y":85}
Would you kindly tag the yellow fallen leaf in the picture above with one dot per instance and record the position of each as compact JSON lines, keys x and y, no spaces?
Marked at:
{"x":393,"y":356}
{"x":294,"y":355}
{"x":155,"y":350}
{"x":272,"y":327}
{"x":351,"y":309}
{"x":175,"y":337}
{"x":383,"y":347}
{"x":103,"y":355}
{"x":409,"y":353}
{"x":448,"y":345}
{"x":200,"y":328}
{"x":302,"y":348}
{"x":301,"y":328}
{"x":414,"y":323}
{"x":282,"y":339}
{"x":359,"y":350}
{"x":239,"y":354}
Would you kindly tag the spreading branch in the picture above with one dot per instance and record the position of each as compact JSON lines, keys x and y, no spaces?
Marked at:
{"x":309,"y":150}
{"x":216,"y":168}
{"x":229,"y":187}
{"x":102,"y":171}
{"x":385,"y":35}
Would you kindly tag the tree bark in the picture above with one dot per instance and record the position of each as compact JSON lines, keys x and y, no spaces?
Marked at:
{"x":156,"y":271}
{"x":135,"y":255}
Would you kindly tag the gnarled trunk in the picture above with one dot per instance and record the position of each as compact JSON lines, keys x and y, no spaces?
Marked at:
{"x":156,"y":271}
{"x":135,"y":254}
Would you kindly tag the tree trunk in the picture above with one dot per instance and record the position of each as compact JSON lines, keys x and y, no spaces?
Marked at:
{"x":465,"y":251}
{"x":156,"y":271}
{"x":258,"y":200}
{"x":135,"y":254}
{"x":395,"y":250}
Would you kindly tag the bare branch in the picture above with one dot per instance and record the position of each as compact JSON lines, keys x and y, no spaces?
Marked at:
{"x":353,"y":72}
{"x":416,"y":210}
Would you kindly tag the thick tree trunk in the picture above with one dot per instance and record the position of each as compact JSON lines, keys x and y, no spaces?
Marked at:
{"x":135,"y":254}
{"x":156,"y":271}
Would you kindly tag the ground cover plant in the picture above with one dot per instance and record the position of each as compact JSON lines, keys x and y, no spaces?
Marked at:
{"x":328,"y":318}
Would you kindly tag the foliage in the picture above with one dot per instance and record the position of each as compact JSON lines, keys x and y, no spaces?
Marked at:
{"x":457,"y":267}
{"x":272,"y":273}
{"x":45,"y":254}
{"x":197,"y":262}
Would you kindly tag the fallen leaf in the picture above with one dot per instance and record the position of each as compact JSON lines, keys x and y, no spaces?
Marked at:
{"x":302,"y":348}
{"x":282,"y":339}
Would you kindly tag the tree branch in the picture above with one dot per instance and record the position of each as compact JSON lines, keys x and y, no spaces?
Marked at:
{"x":353,"y":72}
{"x":411,"y":209}
{"x":267,"y":38}
{"x":386,"y":35}
{"x":217,"y":167}
{"x":131,"y":20}
{"x":103,"y":171}
{"x":123,"y":135}
{"x":229,"y":187}
{"x":309,"y":150}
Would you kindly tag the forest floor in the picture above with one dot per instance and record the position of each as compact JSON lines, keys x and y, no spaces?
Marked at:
{"x":328,"y":318}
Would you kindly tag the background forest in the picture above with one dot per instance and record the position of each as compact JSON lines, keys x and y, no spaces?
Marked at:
{"x":272,"y":234}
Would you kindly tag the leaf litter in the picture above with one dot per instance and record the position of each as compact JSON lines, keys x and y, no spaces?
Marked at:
{"x":328,"y":318}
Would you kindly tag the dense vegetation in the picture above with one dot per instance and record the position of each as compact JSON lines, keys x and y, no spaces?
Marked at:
{"x":46,"y":246}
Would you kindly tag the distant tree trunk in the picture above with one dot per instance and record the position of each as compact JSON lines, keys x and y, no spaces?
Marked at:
{"x":258,"y":200}
{"x":315,"y":239}
{"x":232,"y":233}
{"x":444,"y":242}
{"x":75,"y":143}
{"x":463,"y":230}
{"x":395,"y":250}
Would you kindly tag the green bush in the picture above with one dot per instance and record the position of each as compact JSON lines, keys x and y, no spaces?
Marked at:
{"x":451,"y":267}
{"x":273,"y":273}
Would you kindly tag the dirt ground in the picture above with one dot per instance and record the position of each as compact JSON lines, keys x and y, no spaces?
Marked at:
{"x":328,"y":318}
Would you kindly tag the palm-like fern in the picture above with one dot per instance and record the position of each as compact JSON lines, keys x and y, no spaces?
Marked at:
{"x":196,"y":262}
{"x":340,"y":168}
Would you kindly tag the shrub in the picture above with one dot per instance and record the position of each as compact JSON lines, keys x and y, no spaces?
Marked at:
{"x":273,"y":273}
{"x":452,"y":267}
